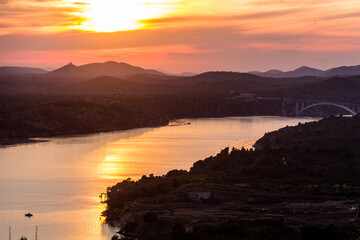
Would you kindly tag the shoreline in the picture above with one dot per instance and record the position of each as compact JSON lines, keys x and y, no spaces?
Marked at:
{"x":19,"y":141}
{"x":279,"y":187}
{"x":13,"y":142}
{"x":35,"y":139}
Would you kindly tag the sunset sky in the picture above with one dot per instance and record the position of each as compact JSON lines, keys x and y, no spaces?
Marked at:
{"x":181,"y":35}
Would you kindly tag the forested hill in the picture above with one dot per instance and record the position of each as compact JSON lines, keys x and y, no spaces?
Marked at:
{"x":294,"y":174}
{"x":326,"y":151}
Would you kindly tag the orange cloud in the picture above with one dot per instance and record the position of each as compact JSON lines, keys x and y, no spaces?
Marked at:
{"x":198,"y":34}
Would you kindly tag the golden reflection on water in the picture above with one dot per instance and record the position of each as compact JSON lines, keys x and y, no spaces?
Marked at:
{"x":102,"y":207}
{"x":151,"y":152}
{"x":178,"y":147}
{"x":60,"y":180}
{"x":111,"y":167}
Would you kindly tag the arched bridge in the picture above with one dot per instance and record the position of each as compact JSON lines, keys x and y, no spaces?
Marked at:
{"x":303,"y":105}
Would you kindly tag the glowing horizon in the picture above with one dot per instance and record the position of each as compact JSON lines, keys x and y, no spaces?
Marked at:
{"x":119,"y":15}
{"x":181,"y":35}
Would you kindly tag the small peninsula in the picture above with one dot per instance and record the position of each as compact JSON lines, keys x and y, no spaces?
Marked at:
{"x":299,"y":183}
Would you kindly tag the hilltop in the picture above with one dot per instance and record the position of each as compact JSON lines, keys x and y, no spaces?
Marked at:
{"x":94,"y":70}
{"x":308,"y":71}
{"x":299,"y":72}
{"x":122,"y":78}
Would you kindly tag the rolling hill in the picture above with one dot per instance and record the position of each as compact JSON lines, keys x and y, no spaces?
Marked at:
{"x":342,"y":88}
{"x":342,"y":71}
{"x":19,"y":71}
{"x":299,"y":72}
{"x":114,"y":85}
{"x":307,"y":71}
{"x":94,"y":70}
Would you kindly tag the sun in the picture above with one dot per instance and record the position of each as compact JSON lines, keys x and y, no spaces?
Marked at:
{"x":120,"y":15}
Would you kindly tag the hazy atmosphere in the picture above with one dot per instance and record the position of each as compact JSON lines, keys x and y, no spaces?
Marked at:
{"x":182,"y":35}
{"x":180,"y":120}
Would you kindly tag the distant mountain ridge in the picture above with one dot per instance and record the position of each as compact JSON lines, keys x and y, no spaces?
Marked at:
{"x":343,"y":71}
{"x":182,"y":74}
{"x":69,"y":70}
{"x":94,"y":70}
{"x":308,"y":71}
{"x":125,"y":70}
{"x":16,"y":71}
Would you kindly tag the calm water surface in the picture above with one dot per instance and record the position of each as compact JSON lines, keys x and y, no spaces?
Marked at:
{"x":59,"y":181}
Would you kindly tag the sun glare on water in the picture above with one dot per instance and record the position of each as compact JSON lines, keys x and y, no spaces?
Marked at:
{"x":120,"y":15}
